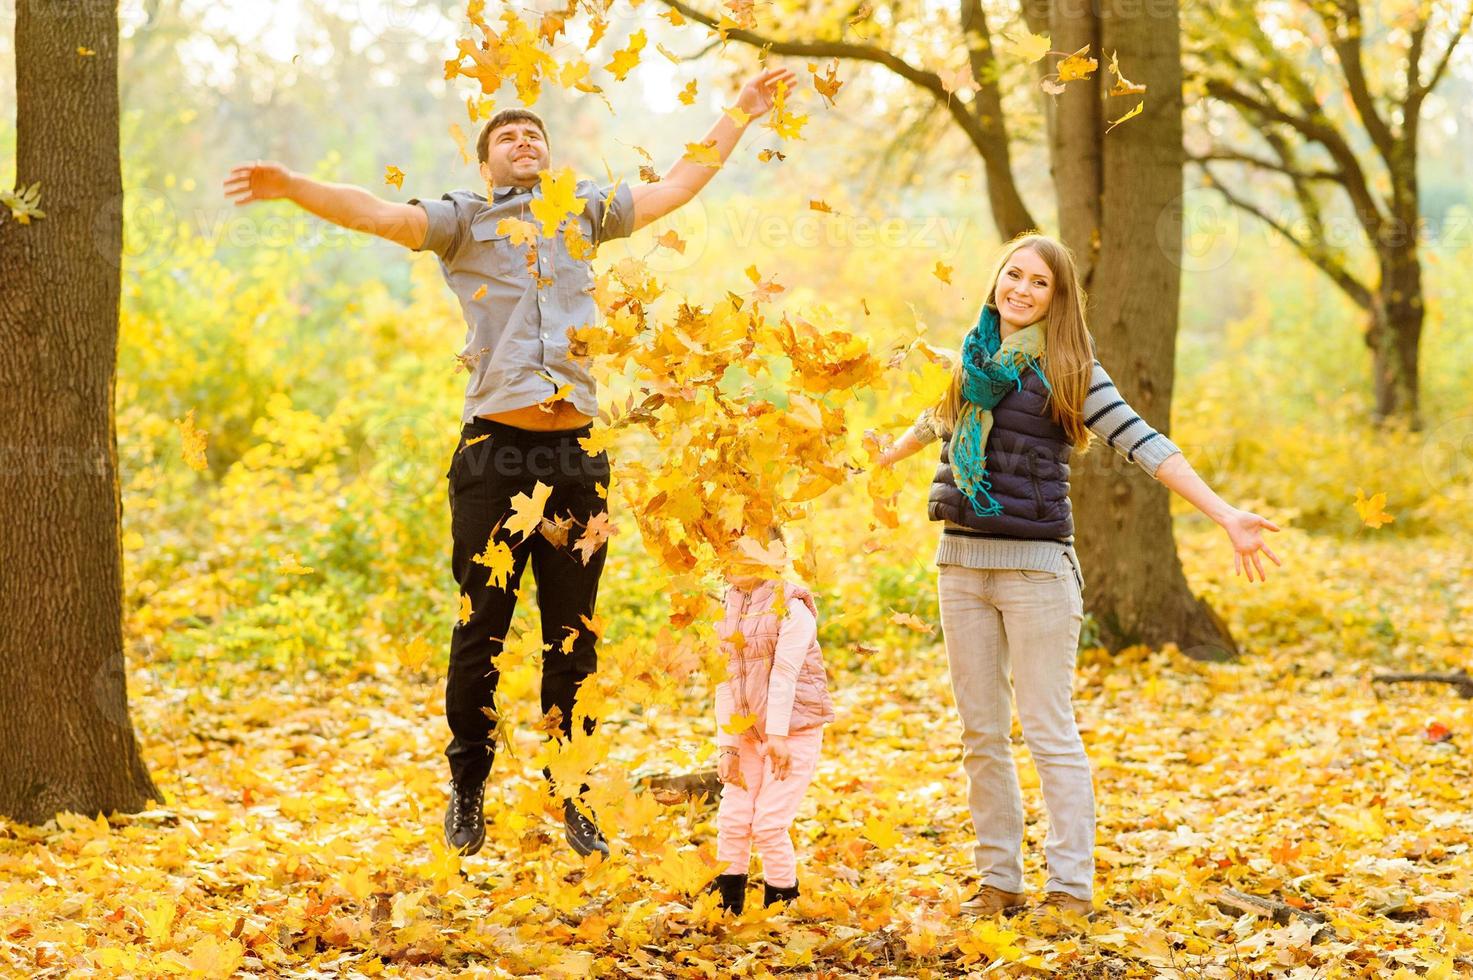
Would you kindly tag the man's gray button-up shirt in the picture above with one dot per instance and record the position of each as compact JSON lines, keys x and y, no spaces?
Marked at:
{"x":517,"y":331}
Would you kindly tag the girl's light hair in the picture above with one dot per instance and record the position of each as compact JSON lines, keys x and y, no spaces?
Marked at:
{"x":1068,"y":349}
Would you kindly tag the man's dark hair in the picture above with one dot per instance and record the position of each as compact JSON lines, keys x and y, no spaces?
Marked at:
{"x":502,"y":118}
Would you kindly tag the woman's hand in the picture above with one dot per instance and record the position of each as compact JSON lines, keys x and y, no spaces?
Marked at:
{"x":1245,"y":529}
{"x":759,"y":93}
{"x":779,"y":755}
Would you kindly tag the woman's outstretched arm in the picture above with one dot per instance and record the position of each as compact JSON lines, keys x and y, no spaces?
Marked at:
{"x":1243,"y":527}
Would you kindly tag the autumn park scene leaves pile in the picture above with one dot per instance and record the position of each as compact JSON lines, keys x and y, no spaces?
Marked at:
{"x":225,"y":587}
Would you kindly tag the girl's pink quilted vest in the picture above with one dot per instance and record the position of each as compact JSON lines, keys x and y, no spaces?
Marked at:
{"x":750,"y":662}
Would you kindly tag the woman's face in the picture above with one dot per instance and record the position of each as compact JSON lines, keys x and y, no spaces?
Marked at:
{"x":1023,"y":289}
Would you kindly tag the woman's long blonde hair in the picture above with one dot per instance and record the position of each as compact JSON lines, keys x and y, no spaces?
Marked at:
{"x":1068,"y":349}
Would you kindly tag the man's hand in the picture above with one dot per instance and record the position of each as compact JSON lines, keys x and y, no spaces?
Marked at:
{"x":264,"y":180}
{"x":759,"y":93}
{"x":780,"y":756}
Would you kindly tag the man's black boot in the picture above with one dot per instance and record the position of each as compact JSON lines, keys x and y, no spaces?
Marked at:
{"x":465,"y":824}
{"x":583,"y":834}
{"x":733,"y":889}
{"x":771,"y":894}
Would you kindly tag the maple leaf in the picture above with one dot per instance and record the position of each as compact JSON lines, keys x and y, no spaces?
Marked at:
{"x":527,"y":510}
{"x":827,"y":84}
{"x":942,"y":271}
{"x":559,"y":200}
{"x":463,"y":615}
{"x":687,"y":95}
{"x":1372,"y":512}
{"x":737,"y":114}
{"x":193,"y":442}
{"x":1027,"y":46}
{"x":738,"y":724}
{"x":626,"y":58}
{"x":768,"y":155}
{"x":820,"y":206}
{"x":556,"y":531}
{"x":673,"y":16}
{"x":671,"y":240}
{"x":394,"y":176}
{"x":912,"y":622}
{"x":520,"y":232}
{"x":1076,"y":66}
{"x":704,"y":154}
{"x":881,"y":833}
{"x":595,"y":533}
{"x":498,"y":558}
{"x":786,"y":124}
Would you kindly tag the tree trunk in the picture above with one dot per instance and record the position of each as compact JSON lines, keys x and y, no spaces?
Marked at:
{"x":1394,"y":334}
{"x":1125,"y":227}
{"x":66,"y":739}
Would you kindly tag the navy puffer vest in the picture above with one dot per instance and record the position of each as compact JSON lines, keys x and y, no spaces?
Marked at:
{"x":1028,"y":464}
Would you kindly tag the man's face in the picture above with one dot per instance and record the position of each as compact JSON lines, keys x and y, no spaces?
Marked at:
{"x":515,"y":154}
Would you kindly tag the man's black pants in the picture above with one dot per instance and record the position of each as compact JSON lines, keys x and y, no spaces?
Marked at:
{"x":484,"y":475}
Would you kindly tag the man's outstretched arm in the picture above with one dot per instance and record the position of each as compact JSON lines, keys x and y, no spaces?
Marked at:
{"x":342,"y":204}
{"x":686,"y":178}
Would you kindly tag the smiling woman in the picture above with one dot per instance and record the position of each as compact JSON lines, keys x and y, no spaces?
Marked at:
{"x":1027,"y":392}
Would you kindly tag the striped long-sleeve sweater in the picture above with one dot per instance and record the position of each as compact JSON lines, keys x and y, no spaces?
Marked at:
{"x":1113,"y":421}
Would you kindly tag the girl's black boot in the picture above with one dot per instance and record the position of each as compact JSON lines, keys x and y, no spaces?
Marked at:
{"x":771,"y":894}
{"x":733,"y":890}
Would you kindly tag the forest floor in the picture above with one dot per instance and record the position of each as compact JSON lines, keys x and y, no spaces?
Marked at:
{"x":300,"y":832}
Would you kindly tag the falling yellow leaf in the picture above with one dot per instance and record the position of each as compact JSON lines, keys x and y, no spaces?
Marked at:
{"x":626,"y":58}
{"x":458,"y":134}
{"x":194,"y":441}
{"x":673,"y":16}
{"x":1077,"y":66}
{"x":942,"y":271}
{"x":393,"y":175}
{"x":669,"y":239}
{"x":527,"y":510}
{"x":463,"y":616}
{"x":703,"y":153}
{"x":1027,"y":46}
{"x":520,"y":232}
{"x":559,"y":199}
{"x":1139,"y":106}
{"x":738,"y":115}
{"x":958,"y":80}
{"x":1372,"y":512}
{"x":86,"y":52}
{"x":688,"y":94}
{"x":498,"y":558}
{"x":480,"y":292}
{"x":820,"y":206}
{"x":1123,"y":85}
{"x":829,"y":83}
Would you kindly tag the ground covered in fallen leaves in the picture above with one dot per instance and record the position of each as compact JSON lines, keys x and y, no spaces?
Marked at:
{"x":301,"y":833}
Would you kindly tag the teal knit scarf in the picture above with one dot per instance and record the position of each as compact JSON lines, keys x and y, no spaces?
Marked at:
{"x":991,"y":367}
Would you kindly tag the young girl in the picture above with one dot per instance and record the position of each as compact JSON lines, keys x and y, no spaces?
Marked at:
{"x":770,"y":713}
{"x":1027,"y":390}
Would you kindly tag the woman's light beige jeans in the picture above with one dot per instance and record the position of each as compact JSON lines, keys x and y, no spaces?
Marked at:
{"x":1010,"y":632}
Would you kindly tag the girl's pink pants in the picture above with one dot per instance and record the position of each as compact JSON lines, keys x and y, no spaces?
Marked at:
{"x":763,"y":812}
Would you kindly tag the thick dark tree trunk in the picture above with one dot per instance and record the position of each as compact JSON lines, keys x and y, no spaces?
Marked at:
{"x":1120,"y":212}
{"x":1394,"y":335}
{"x":66,"y":740}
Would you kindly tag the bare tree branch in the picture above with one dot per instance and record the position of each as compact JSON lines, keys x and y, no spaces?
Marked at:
{"x":988,"y":135}
{"x":1346,"y":33}
{"x":1414,"y":104}
{"x":1325,"y":261}
{"x":1233,"y":156}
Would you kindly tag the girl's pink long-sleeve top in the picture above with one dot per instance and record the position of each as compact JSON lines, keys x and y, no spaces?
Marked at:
{"x":797,"y":634}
